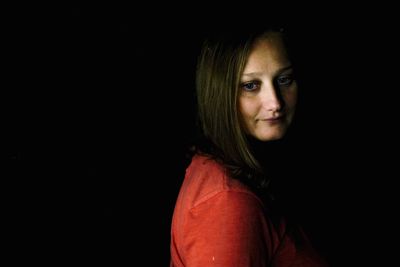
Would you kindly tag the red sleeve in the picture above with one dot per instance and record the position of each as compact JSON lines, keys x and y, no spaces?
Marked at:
{"x":229,"y":229}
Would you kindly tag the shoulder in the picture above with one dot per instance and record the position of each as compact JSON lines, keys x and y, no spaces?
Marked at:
{"x":206,"y":181}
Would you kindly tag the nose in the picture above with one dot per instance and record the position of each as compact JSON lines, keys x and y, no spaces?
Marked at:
{"x":270,"y":98}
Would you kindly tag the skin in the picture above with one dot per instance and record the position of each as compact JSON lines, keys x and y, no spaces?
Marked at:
{"x":268,"y":91}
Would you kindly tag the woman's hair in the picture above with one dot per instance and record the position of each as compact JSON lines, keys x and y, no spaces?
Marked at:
{"x":222,"y":136}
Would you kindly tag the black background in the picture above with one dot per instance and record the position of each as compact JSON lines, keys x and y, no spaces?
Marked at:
{"x":98,"y":109}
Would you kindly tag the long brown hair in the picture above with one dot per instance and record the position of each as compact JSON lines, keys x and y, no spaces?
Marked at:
{"x":221,"y":61}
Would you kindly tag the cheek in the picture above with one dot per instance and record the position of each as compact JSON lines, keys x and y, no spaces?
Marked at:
{"x":291,"y":99}
{"x":247,"y":108}
{"x":245,"y":114}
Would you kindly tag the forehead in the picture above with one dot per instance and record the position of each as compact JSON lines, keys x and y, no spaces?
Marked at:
{"x":268,"y":51}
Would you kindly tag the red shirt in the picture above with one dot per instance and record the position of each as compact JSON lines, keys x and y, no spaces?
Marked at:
{"x":218,"y":221}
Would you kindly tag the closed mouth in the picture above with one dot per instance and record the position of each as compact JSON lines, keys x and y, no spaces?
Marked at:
{"x":273,"y":119}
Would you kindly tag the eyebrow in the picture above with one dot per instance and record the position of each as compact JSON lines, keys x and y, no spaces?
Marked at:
{"x":251,"y":74}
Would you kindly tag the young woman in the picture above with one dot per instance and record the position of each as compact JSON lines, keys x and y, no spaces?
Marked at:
{"x":225,"y":213}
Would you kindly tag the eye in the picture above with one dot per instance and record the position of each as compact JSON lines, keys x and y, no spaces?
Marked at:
{"x":285,"y":80}
{"x":250,"y":86}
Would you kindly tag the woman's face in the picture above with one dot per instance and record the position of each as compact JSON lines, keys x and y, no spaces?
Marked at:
{"x":268,"y":91}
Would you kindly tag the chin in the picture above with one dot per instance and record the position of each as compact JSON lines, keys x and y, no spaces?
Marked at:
{"x":271,"y":136}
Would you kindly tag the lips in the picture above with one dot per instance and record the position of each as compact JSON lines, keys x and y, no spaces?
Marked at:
{"x":273,"y":119}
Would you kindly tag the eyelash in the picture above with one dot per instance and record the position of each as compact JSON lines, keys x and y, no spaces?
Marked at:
{"x":254,"y":83}
{"x":287,"y":80}
{"x":284,"y":80}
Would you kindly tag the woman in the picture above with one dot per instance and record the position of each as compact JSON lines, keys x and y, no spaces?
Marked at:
{"x":225,"y":213}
